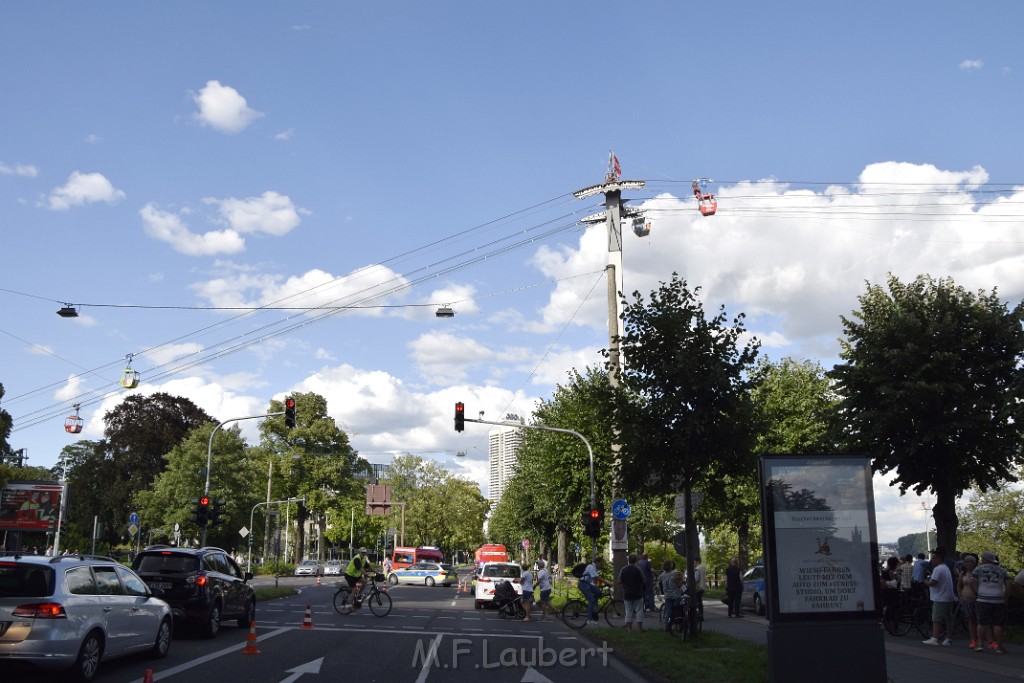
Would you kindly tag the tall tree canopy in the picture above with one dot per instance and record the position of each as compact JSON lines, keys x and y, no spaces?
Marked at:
{"x":5,"y":428}
{"x":682,"y":406}
{"x":932,"y":389}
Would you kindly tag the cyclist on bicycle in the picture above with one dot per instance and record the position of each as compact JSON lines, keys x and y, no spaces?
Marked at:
{"x":589,"y":584}
{"x":355,"y":575}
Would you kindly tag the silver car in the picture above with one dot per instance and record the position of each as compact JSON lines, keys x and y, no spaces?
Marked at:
{"x":73,"y":612}
{"x":308,"y":568}
{"x":333,"y":568}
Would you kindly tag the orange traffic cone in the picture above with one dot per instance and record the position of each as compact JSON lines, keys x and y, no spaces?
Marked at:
{"x":250,"y":642}
{"x":307,"y":621}
{"x":148,"y":678}
{"x":318,"y":579}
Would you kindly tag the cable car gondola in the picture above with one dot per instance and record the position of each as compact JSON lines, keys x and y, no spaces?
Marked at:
{"x":705,"y":200}
{"x":73,"y":423}
{"x":641,"y":226}
{"x":129,"y":378}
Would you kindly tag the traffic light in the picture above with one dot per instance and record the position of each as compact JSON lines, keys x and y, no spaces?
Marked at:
{"x":460,"y":417}
{"x":216,"y":512}
{"x":202,"y":511}
{"x":593,"y":522}
{"x":289,"y":413}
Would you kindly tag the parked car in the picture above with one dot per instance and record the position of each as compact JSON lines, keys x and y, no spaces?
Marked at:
{"x":75,"y":611}
{"x":307,"y":568}
{"x":334,"y":568}
{"x":754,"y":589}
{"x":203,"y":586}
{"x":490,"y":575}
{"x":424,"y":574}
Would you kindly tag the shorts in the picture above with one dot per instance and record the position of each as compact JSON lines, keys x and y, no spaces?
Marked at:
{"x":545,"y":597}
{"x":969,"y":608}
{"x":528,"y":597}
{"x":990,"y":613}
{"x":352,"y":580}
{"x":942,"y":612}
{"x":634,"y":611}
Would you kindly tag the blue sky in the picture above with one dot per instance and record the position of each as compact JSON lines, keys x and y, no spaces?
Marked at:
{"x":157,"y":159}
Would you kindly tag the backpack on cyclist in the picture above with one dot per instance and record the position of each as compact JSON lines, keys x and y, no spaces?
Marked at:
{"x":578,"y":570}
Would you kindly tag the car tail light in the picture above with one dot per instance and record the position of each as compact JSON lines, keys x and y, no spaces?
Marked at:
{"x":483,"y":579}
{"x":40,"y":610}
{"x":201,"y":580}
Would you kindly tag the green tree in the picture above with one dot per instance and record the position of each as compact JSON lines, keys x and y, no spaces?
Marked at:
{"x":6,"y":423}
{"x":235,"y":478}
{"x":994,"y":520}
{"x":932,"y":389}
{"x":313,"y":461}
{"x":682,"y":405}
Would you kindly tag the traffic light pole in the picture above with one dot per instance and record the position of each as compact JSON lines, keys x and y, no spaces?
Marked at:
{"x":209,"y":458}
{"x":590,"y":453}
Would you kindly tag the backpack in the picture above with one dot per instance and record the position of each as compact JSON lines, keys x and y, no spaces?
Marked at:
{"x":578,"y":570}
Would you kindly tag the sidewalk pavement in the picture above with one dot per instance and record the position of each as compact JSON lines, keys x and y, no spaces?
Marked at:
{"x":907,"y":660}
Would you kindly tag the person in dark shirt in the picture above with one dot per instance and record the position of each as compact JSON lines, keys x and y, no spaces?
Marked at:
{"x":634,"y":586}
{"x":734,"y":587}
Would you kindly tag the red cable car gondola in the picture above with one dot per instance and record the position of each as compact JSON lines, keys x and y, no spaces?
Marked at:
{"x":705,"y":200}
{"x":73,"y":423}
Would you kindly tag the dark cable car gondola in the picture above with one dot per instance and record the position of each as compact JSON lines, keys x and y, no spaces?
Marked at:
{"x":129,"y":378}
{"x":73,"y":423}
{"x":706,"y":201}
{"x":641,"y":226}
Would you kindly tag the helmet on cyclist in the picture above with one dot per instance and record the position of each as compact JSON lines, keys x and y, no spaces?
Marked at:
{"x":362,"y":551}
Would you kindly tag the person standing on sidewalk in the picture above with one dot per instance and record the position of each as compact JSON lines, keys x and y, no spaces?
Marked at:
{"x":733,"y":587}
{"x":544,"y":585}
{"x":526,"y":583}
{"x":990,"y":582}
{"x":968,"y":598}
{"x":634,"y":588}
{"x":647,"y":568}
{"x":940,"y":588}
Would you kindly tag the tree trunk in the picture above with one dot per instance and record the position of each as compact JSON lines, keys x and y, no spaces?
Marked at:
{"x":946,"y":521}
{"x":743,"y":536}
{"x":562,"y":558}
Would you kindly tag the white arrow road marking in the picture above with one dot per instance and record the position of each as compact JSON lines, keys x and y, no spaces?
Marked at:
{"x":307,"y":668}
{"x":534,"y":676}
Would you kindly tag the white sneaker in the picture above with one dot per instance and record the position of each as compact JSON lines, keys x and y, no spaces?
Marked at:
{"x":931,"y":641}
{"x":947,"y":642}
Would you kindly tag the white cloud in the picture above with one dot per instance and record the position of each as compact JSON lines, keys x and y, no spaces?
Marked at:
{"x":170,"y":352}
{"x":83,"y":188}
{"x":25,"y":170}
{"x":285,"y":135}
{"x":93,"y":139}
{"x":169,"y":227}
{"x":971,"y":64}
{"x":271,"y":213}
{"x":72,"y":389}
{"x":223,"y":108}
{"x":444,"y":358}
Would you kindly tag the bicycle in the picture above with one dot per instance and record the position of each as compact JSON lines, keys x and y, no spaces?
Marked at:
{"x":923,"y":620}
{"x":376,"y":597}
{"x":678,"y":621}
{"x":574,"y":614}
{"x":902,"y":615}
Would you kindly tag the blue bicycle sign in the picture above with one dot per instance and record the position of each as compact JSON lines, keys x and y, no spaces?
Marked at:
{"x":620,"y":509}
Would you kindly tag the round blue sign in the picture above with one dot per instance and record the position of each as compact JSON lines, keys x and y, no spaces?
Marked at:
{"x":620,"y":509}
{"x":133,"y":518}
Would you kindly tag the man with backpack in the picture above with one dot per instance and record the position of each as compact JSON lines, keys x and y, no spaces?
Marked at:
{"x":589,"y":585}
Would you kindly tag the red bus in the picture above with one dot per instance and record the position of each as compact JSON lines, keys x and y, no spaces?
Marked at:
{"x":490,"y":552}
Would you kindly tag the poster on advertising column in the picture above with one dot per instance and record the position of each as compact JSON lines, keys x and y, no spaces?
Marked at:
{"x":820,"y":539}
{"x":30,"y":505}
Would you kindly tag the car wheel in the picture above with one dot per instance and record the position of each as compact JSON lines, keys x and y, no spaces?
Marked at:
{"x":430,"y":581}
{"x":758,"y":605}
{"x":212,"y":624}
{"x":246,"y":620}
{"x":393,"y":580}
{"x":89,"y":656}
{"x":163,"y":640}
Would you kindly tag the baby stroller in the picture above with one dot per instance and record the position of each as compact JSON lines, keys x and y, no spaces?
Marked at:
{"x":508,"y":602}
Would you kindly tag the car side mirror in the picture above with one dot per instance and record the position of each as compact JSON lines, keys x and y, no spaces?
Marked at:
{"x":248,"y":576}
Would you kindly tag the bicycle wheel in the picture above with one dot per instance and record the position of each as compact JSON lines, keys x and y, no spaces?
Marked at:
{"x":341,"y":605}
{"x":520,"y":612}
{"x":700,"y":619}
{"x":896,"y":620}
{"x":680,"y":626}
{"x":574,"y":614}
{"x":923,"y":620}
{"x":380,"y":604}
{"x":961,"y":627}
{"x":615,"y":613}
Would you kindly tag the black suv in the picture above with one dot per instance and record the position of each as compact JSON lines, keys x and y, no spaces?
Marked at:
{"x":202,"y":585}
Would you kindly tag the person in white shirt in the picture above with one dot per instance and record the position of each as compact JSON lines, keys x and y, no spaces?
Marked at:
{"x":544,"y":584}
{"x":526,"y":583}
{"x":589,"y":585}
{"x":940,"y":589}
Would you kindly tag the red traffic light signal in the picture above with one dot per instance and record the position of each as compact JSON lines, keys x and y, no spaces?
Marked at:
{"x":289,"y":413}
{"x":460,"y":417}
{"x":204,"y":500}
{"x":595,"y":514}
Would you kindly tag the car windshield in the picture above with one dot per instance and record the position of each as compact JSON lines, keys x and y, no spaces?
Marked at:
{"x":504,"y":571}
{"x":25,"y":581}
{"x":309,"y":563}
{"x":169,"y":563}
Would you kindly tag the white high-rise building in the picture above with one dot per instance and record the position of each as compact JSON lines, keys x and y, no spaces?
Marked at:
{"x":502,"y":445}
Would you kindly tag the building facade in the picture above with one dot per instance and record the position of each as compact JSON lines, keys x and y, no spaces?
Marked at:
{"x":502,"y":446}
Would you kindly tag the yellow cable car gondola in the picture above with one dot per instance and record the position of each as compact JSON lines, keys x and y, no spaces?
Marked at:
{"x":73,"y":423}
{"x":129,"y":378}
